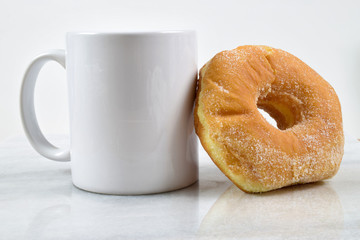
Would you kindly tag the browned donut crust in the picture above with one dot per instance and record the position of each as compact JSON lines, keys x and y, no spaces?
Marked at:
{"x":307,"y":146}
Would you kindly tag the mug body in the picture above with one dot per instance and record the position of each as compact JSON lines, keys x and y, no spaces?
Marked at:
{"x":131,"y":100}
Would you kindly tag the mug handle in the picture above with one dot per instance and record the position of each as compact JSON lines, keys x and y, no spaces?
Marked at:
{"x":28,"y":116}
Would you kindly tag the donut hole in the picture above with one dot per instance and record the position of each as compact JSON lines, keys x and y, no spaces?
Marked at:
{"x":268,"y":118}
{"x":285,"y":108}
{"x":284,"y":115}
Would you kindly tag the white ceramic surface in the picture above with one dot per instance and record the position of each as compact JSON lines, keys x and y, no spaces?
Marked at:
{"x":131,"y":98}
{"x":38,"y":201}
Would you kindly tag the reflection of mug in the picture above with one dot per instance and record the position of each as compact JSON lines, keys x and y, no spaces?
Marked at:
{"x":285,"y":213}
{"x":157,"y":216}
{"x":76,"y":215}
{"x":131,"y":97}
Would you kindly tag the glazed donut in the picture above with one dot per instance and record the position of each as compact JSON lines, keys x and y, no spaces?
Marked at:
{"x":308,"y":144}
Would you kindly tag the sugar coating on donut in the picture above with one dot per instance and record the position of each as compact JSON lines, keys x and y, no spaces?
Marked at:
{"x":308,"y":144}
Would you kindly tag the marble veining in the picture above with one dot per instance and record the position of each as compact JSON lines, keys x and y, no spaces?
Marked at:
{"x":38,"y":201}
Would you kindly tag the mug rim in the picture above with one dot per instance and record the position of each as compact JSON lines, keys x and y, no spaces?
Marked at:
{"x":130,"y":33}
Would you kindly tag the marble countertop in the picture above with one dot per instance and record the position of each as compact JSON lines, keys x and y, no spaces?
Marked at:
{"x":38,"y":201}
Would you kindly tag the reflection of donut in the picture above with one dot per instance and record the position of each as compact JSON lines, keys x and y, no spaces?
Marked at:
{"x":257,"y":157}
{"x":313,"y":211}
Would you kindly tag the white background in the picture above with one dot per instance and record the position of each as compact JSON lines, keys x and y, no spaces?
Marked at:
{"x":324,"y":34}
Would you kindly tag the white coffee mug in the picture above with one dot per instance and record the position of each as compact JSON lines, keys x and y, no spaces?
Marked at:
{"x":131,"y":99}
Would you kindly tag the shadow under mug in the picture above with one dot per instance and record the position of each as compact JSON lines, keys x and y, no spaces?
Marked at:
{"x":131,"y":99}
